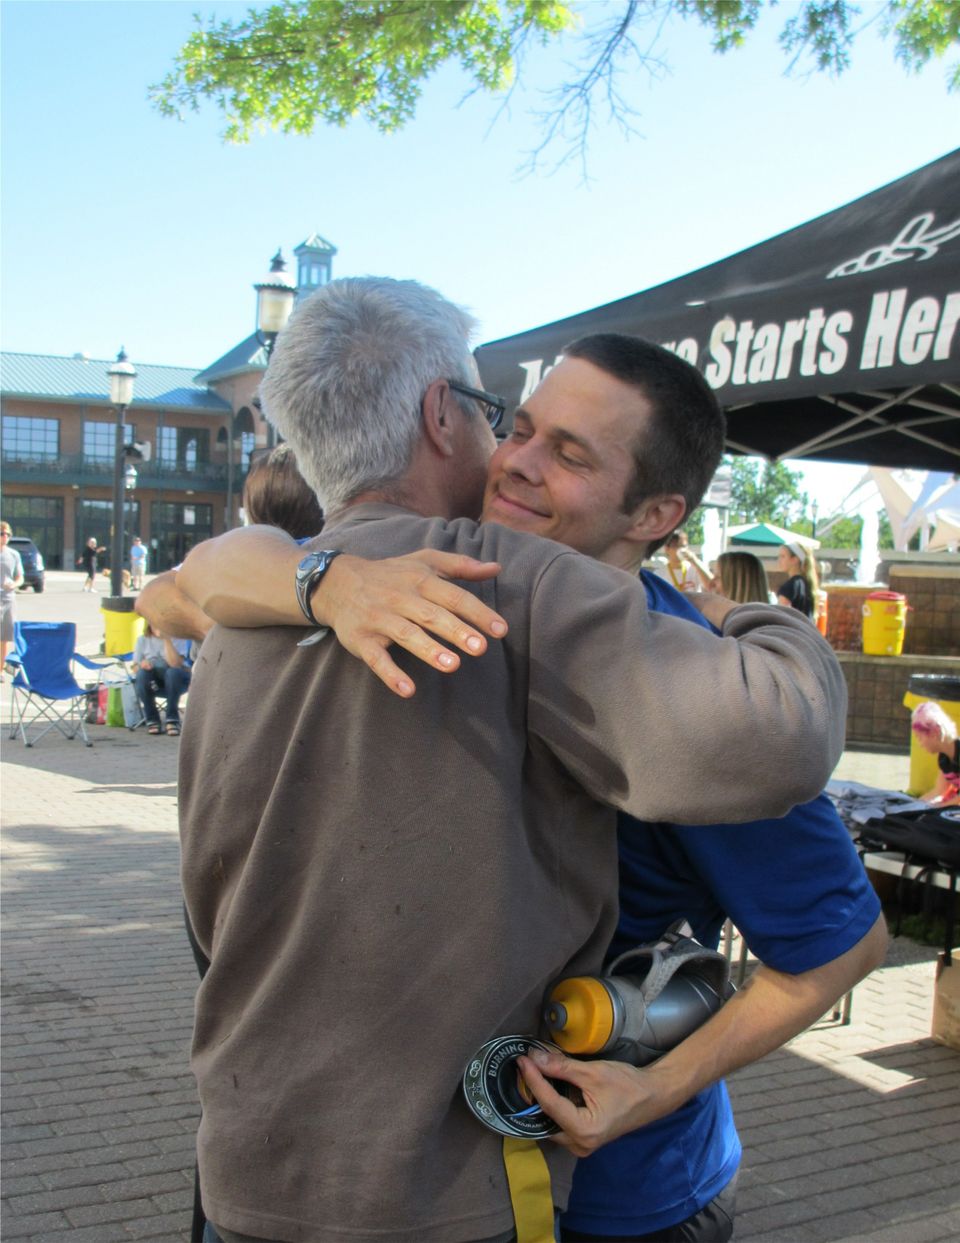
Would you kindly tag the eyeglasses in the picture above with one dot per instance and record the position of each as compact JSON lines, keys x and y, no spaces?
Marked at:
{"x":492,"y":406}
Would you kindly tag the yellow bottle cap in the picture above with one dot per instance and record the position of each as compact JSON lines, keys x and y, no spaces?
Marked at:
{"x":579,"y":1014}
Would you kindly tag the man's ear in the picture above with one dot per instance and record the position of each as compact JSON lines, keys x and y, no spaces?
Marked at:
{"x":437,"y":413}
{"x":656,"y":517}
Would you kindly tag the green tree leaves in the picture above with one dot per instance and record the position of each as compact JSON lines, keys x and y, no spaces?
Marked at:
{"x":765,"y":492}
{"x":292,"y":66}
{"x":295,"y":65}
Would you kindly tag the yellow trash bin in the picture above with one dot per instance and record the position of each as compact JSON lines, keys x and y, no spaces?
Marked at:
{"x":884,"y":623}
{"x":923,"y":687}
{"x":121,"y":625}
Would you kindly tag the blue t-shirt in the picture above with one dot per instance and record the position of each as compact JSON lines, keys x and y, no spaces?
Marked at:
{"x":796,"y":889}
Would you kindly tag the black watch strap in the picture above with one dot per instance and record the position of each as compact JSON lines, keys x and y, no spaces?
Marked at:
{"x":309,"y":573}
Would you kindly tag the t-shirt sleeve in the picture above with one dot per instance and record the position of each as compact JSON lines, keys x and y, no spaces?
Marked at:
{"x":667,"y":721}
{"x":795,"y":888}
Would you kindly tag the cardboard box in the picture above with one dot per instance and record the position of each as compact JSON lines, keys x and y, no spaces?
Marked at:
{"x":946,"y":1002}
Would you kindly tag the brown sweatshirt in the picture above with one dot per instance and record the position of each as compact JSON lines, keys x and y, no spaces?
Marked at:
{"x":382,"y":885}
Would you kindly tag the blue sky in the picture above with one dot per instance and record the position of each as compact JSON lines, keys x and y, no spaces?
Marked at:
{"x":122,"y":227}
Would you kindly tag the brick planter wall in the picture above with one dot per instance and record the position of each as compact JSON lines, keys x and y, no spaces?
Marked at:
{"x":933,"y":622}
{"x":876,"y":686}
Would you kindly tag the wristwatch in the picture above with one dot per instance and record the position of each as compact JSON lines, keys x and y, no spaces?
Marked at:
{"x":309,"y":573}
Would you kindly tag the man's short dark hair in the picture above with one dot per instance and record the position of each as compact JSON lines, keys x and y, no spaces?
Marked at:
{"x":682,"y":448}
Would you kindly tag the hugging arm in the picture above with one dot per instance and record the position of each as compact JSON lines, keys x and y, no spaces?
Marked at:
{"x":769,"y":1010}
{"x":246,"y":578}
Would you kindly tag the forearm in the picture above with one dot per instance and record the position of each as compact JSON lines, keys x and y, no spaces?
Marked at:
{"x":170,"y":611}
{"x":245,"y":578}
{"x":769,"y":1010}
{"x":772,"y":1008}
{"x":171,"y":655}
{"x":706,"y":578}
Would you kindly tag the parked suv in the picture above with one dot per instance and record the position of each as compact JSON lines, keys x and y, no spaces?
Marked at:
{"x":32,"y":561}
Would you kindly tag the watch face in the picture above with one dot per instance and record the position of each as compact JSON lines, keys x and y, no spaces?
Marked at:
{"x":312,"y":561}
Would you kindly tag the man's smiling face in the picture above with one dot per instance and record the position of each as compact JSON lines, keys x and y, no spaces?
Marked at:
{"x":564,"y":470}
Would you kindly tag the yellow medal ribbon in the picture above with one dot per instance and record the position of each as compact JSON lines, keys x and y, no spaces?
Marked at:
{"x":528,"y":1177}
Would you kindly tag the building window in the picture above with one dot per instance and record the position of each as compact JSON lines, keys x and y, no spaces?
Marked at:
{"x":183,"y":448}
{"x":175,"y":528}
{"x":100,"y":440}
{"x":29,"y":439}
{"x":95,"y":518}
{"x":40,"y":518}
{"x":313,"y":274}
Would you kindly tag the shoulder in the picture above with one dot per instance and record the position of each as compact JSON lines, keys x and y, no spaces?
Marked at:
{"x":664,"y":598}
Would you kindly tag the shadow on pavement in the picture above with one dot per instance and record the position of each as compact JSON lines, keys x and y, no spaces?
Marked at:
{"x":117,"y":756}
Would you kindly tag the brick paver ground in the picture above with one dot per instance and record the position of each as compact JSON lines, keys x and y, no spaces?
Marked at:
{"x":850,"y":1134}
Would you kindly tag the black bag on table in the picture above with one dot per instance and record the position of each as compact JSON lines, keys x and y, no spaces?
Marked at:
{"x":932,"y":837}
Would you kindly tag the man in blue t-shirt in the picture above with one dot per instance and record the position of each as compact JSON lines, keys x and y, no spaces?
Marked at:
{"x":795,"y":889}
{"x":799,"y":895}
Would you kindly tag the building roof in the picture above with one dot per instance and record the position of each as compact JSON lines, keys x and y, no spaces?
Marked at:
{"x":47,"y":377}
{"x":316,"y":242}
{"x":249,"y":355}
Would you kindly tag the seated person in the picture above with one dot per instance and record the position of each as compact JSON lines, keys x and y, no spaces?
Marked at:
{"x":161,"y":666}
{"x":937,"y":733}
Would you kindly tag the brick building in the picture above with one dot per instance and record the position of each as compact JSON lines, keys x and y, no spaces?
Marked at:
{"x":58,"y":442}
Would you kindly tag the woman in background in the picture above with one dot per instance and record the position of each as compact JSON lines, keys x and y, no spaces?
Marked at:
{"x":802,"y":587}
{"x":276,"y":494}
{"x":937,"y":733}
{"x":741,"y":577}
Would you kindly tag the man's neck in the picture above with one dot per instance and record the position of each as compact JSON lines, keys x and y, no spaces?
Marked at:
{"x":421,"y":496}
{"x":625,"y":555}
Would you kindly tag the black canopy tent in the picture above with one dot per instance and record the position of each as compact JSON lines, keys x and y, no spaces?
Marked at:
{"x":836,"y":341}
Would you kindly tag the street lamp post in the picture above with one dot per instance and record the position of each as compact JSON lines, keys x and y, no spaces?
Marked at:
{"x":122,"y":375}
{"x":276,"y":295}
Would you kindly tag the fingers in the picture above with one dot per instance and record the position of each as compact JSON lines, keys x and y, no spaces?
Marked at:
{"x":457,"y":565}
{"x":455,"y":602}
{"x":389,"y":673}
{"x":611,"y":1098}
{"x":411,"y":602}
{"x":456,"y":615}
{"x":579,"y":1129}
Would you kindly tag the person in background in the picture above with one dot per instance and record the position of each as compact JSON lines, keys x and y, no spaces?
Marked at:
{"x":802,"y":587}
{"x":161,"y":665}
{"x":275,"y":494}
{"x":937,"y":733}
{"x":11,"y":576}
{"x":741,"y":577}
{"x":138,"y":563}
{"x":88,"y":559}
{"x":682,"y":569}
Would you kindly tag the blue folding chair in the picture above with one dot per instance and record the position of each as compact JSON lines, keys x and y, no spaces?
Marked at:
{"x":45,"y":692}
